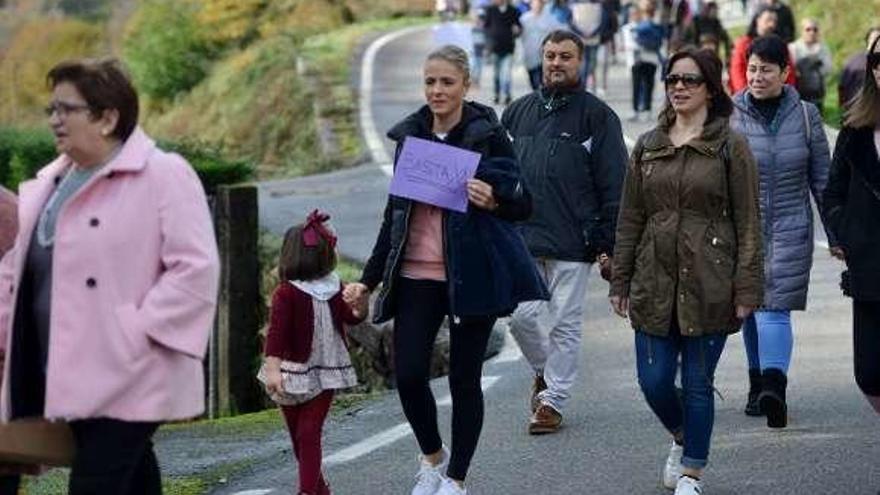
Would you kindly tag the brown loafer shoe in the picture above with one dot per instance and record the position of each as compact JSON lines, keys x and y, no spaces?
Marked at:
{"x":545,"y":420}
{"x":538,"y":386}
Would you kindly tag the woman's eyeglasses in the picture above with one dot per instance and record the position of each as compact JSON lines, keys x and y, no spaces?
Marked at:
{"x":63,"y":109}
{"x":690,"y":81}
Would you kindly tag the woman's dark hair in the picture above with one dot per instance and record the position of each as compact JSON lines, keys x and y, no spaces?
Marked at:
{"x":720,"y":104}
{"x":864,"y":110}
{"x":771,"y":49}
{"x":560,"y":35}
{"x":299,"y":262}
{"x":104,"y":85}
{"x":753,"y":25}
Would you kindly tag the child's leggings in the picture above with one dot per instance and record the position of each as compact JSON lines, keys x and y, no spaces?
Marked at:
{"x":304,"y":423}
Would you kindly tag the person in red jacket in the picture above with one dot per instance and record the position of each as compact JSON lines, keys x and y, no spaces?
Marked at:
{"x":306,"y":358}
{"x":763,"y":23}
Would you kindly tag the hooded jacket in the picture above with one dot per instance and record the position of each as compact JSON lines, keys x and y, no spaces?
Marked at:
{"x":488,"y":268}
{"x":688,"y":236}
{"x":572,"y":156}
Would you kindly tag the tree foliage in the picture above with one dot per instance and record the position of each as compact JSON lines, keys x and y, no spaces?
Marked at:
{"x":165,"y":48}
{"x":35,"y":47}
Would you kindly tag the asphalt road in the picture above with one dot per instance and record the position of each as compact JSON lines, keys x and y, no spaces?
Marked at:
{"x":611,"y":443}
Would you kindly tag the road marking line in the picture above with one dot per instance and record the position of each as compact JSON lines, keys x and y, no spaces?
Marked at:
{"x":509,"y":353}
{"x":374,"y":140}
{"x":388,"y":436}
{"x":253,"y":492}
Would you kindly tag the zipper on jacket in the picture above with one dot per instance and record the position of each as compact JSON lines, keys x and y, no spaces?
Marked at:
{"x":385,"y":291}
{"x":450,"y":281}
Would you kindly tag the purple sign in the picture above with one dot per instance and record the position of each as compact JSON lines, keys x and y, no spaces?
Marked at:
{"x":434,"y":173}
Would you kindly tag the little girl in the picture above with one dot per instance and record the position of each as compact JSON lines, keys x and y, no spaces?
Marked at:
{"x":306,"y":357}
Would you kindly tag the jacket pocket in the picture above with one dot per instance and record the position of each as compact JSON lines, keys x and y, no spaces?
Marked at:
{"x":135,"y":339}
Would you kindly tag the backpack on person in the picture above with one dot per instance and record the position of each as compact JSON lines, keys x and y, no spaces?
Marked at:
{"x":810,"y":80}
{"x":648,"y":35}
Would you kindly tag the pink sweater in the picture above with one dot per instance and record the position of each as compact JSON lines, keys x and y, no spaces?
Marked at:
{"x":423,"y":259}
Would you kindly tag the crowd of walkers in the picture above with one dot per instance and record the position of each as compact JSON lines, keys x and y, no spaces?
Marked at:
{"x":705,"y":229}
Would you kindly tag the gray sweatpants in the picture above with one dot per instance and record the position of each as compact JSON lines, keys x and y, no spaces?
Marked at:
{"x":549,"y":332}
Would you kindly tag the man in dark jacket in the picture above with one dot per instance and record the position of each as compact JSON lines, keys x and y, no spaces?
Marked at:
{"x":708,"y":24}
{"x":502,"y":27}
{"x":572,"y":157}
{"x":853,"y":74}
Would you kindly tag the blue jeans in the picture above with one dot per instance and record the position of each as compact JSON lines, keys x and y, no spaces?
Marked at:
{"x":769,"y":340}
{"x":692,"y":414}
{"x":503,"y":65}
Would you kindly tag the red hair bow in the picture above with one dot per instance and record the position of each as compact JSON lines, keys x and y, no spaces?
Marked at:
{"x":315,"y":228}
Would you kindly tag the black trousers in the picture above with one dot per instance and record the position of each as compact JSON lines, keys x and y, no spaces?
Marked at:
{"x":866,"y":345}
{"x":114,"y":457}
{"x":643,"y":85}
{"x":421,"y":307}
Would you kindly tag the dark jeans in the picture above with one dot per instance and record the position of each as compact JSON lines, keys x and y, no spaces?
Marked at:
{"x":866,"y":343}
{"x":643,"y":85}
{"x":421,"y":307}
{"x":693,"y":414}
{"x":114,"y":457}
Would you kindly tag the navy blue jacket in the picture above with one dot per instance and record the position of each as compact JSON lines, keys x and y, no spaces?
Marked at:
{"x":488,"y":267}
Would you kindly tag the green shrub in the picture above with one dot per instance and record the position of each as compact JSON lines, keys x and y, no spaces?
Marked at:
{"x":22,"y":153}
{"x":212,"y":168}
{"x":165,"y":50}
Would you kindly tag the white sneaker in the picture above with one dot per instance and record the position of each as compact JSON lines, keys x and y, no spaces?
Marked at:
{"x":429,"y":477}
{"x":672,"y":469}
{"x":688,"y":486}
{"x":449,"y":487}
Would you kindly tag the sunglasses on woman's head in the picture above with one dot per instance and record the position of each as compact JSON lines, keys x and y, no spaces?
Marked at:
{"x":690,"y":81}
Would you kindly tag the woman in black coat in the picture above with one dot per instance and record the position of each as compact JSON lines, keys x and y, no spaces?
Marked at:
{"x":852,"y":209}
{"x":434,"y":263}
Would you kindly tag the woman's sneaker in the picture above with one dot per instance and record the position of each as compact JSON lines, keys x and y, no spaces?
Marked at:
{"x":688,"y":486}
{"x":449,"y":487}
{"x":672,"y":469}
{"x":430,"y":477}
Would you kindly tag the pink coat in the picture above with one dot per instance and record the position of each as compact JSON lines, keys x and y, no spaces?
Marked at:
{"x":8,"y":220}
{"x":134,"y":288}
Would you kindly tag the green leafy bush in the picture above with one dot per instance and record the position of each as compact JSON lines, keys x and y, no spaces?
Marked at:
{"x":24,"y":151}
{"x":165,"y":49}
{"x":212,"y":168}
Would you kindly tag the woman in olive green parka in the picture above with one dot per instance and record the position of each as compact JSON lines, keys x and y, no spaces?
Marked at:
{"x":687,"y":259}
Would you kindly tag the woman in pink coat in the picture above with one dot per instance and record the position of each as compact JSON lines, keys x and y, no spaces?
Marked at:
{"x":107,"y":297}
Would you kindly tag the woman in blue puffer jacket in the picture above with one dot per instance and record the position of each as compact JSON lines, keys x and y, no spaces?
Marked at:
{"x":787,"y":138}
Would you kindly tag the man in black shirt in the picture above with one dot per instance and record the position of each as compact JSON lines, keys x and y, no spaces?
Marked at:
{"x":502,"y":28}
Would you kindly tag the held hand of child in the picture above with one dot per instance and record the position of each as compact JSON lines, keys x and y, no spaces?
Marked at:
{"x":356,"y":295}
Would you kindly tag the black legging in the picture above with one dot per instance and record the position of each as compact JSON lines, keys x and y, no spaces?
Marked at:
{"x":866,"y":343}
{"x":421,"y":306}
